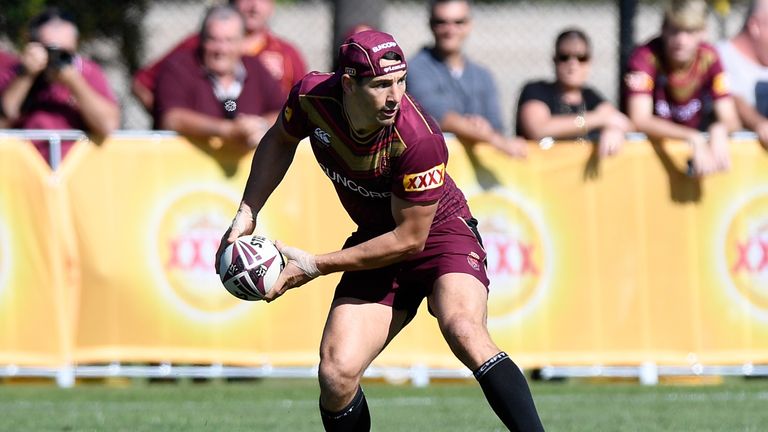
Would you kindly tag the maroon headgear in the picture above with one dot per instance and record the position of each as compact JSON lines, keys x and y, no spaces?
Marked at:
{"x":360,"y":54}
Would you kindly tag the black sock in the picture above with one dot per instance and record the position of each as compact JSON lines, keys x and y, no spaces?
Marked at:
{"x":353,"y":418}
{"x":508,"y":393}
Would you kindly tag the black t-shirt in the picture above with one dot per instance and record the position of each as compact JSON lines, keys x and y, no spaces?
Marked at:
{"x":549,"y":93}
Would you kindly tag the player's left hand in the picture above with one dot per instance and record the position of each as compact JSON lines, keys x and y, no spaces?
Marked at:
{"x":300,"y":269}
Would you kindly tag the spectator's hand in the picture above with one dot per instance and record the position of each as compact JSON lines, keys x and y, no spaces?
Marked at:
{"x":762,"y":133}
{"x":611,"y":141}
{"x":66,"y":75}
{"x":703,"y":162}
{"x":34,"y":58}
{"x":300,"y":269}
{"x":243,"y":224}
{"x":516,"y":147}
{"x":480,"y":124}
{"x":250,"y":129}
{"x":718,"y":142}
{"x":619,"y":121}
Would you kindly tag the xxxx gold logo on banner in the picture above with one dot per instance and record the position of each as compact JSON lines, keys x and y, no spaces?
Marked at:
{"x":519,"y":254}
{"x":186,"y":230}
{"x":744,"y":260}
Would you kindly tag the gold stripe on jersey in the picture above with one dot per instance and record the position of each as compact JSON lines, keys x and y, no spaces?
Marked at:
{"x":356,"y":155}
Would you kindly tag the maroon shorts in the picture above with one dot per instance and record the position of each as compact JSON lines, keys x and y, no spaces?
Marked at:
{"x":454,"y":246}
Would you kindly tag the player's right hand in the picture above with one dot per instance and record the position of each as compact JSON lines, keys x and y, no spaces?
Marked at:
{"x":244,"y":223}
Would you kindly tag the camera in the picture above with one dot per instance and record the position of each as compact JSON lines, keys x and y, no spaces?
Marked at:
{"x":58,"y":58}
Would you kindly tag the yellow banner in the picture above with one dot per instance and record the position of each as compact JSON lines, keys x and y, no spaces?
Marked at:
{"x":615,"y":261}
{"x":38,"y":263}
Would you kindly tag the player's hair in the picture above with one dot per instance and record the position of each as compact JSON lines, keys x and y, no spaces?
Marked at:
{"x":432,"y":3}
{"x":573,"y":33}
{"x":49,"y":15}
{"x":686,"y":14}
{"x":220,"y":12}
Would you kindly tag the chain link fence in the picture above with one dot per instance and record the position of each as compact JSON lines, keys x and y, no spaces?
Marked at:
{"x":513,"y":38}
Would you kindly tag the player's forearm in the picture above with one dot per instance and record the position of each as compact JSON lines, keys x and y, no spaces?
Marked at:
{"x":378,"y":252}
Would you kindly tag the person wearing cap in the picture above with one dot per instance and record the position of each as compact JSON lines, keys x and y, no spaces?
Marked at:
{"x":416,"y":236}
{"x":745,"y":59}
{"x":676,"y":88}
{"x":458,"y":92}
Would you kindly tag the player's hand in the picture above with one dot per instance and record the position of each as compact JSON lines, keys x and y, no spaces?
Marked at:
{"x":243,"y":224}
{"x":300,"y":269}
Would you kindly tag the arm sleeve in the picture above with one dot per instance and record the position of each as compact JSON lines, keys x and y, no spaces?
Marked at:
{"x":420,"y":172}
{"x":641,"y":72}
{"x":719,"y":81}
{"x":293,"y":118}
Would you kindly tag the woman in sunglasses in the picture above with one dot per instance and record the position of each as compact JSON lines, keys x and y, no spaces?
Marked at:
{"x":566,"y":108}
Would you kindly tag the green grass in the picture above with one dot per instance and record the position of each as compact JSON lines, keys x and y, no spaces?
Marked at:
{"x":291,"y":405}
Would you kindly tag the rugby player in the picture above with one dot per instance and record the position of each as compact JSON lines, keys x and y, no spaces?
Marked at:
{"x":416,"y":237}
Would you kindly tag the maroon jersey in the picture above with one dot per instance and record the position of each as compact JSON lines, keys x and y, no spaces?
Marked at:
{"x":685,"y":96}
{"x":407,"y":159}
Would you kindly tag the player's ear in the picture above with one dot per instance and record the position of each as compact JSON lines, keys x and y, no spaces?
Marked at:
{"x":347,"y":83}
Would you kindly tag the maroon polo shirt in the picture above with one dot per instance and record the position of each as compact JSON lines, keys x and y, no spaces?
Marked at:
{"x":184,"y":83}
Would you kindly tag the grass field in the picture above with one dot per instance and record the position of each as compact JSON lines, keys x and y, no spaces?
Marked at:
{"x":291,"y":405}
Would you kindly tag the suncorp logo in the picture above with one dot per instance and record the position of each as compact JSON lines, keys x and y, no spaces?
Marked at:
{"x":185,"y":232}
{"x":5,"y":255}
{"x":352,"y":185}
{"x":382,"y":46}
{"x":743,"y":245}
{"x":519,"y":254}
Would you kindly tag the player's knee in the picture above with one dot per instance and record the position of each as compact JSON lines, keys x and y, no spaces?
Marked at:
{"x":461,"y":331}
{"x":338,"y":376}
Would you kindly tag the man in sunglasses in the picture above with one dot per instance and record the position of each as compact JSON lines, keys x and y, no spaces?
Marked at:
{"x":676,"y":88}
{"x":216,"y":93}
{"x":459,"y":93}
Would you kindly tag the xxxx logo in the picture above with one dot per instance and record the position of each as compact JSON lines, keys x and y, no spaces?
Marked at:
{"x":745,"y":248}
{"x":519,"y":256}
{"x":430,"y":179}
{"x":185,"y":235}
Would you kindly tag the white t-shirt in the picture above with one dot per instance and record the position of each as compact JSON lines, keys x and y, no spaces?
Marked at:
{"x":747,"y":79}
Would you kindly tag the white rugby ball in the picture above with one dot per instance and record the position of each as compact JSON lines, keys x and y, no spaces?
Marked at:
{"x":249,"y":267}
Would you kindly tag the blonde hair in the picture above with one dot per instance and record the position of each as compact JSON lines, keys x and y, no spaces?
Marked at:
{"x":686,"y":14}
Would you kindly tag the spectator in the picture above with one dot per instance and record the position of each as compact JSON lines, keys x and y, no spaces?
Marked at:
{"x":567,"y":108}
{"x":282,"y":60}
{"x":7,"y":60}
{"x":54,"y":87}
{"x":676,"y":88}
{"x":217,"y":92}
{"x":745,"y":59}
{"x":459,"y":93}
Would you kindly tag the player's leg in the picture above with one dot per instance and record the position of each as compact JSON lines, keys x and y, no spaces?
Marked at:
{"x":459,"y":301}
{"x":354,"y":334}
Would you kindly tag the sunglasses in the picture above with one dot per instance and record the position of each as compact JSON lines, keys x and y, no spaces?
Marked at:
{"x":441,"y":22}
{"x":562,"y":58}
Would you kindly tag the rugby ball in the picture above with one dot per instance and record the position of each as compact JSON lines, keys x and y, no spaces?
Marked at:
{"x":250,"y":266}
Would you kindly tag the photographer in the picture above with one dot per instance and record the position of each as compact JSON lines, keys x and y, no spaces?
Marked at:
{"x":53,"y":87}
